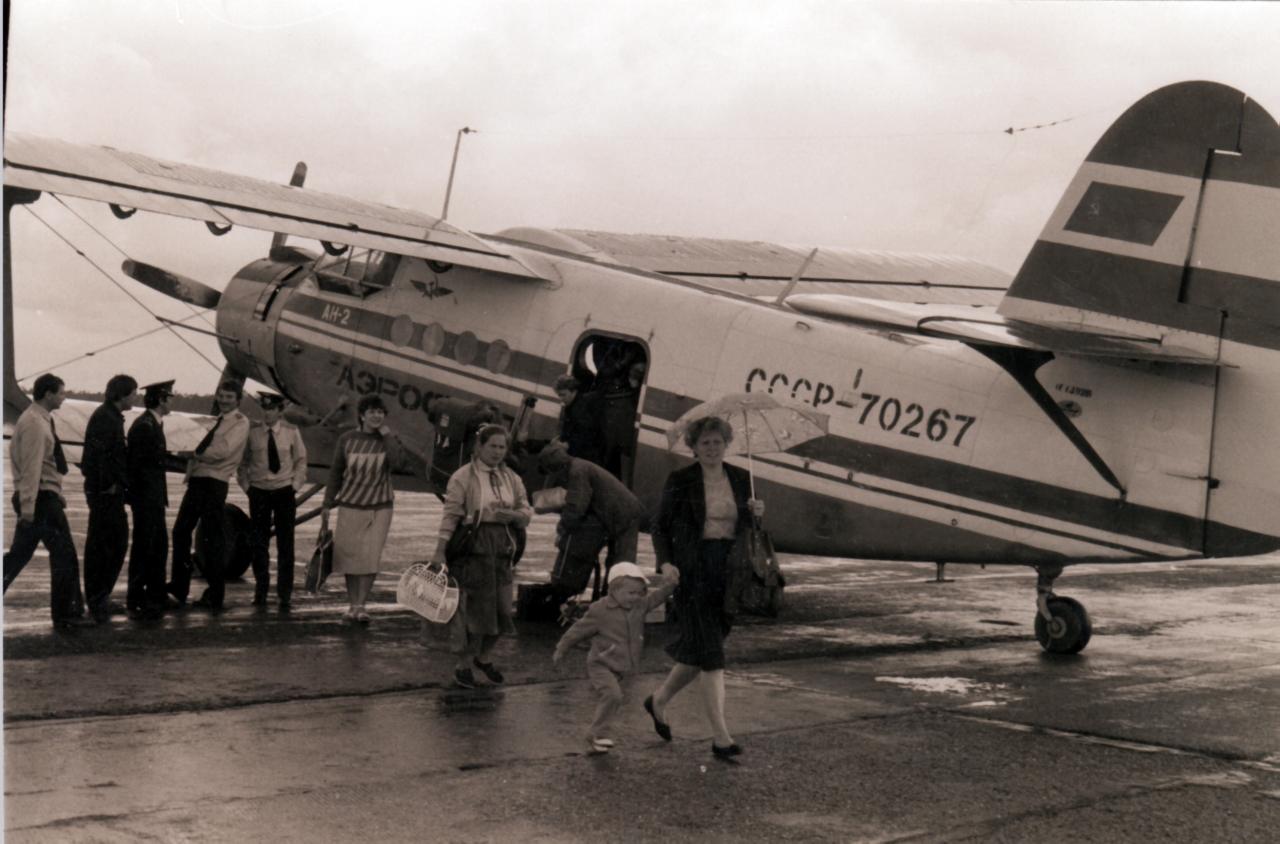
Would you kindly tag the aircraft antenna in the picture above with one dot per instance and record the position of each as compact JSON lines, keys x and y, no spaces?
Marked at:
{"x":453,"y":166}
{"x":791,"y":285}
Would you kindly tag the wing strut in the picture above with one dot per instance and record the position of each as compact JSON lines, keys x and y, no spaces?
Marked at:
{"x":1022,"y":365}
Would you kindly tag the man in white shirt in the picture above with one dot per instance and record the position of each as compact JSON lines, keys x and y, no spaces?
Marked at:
{"x":35,"y":454}
{"x":274,"y":467}
{"x":209,"y":471}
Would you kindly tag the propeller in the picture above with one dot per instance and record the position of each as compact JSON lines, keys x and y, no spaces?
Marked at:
{"x":171,"y":284}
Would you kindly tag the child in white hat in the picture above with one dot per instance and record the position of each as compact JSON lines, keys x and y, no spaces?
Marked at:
{"x":615,"y":626}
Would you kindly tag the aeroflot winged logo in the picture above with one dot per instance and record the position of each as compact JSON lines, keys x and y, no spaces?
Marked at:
{"x":431,"y":289}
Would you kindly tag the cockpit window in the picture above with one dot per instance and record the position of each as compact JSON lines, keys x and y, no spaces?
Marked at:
{"x":358,"y":272}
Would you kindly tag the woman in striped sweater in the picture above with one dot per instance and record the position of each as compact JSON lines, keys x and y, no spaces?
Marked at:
{"x":360,"y":487}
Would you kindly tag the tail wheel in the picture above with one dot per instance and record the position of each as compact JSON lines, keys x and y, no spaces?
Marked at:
{"x":237,"y":542}
{"x":1070,"y":629}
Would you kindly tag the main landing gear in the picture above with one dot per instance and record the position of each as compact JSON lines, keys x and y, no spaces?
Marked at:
{"x":1062,"y":624}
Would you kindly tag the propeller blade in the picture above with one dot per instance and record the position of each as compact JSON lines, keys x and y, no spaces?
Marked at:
{"x":171,"y":284}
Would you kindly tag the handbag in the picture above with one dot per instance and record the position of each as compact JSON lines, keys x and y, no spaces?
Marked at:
{"x":321,"y":563}
{"x":464,"y":536}
{"x":755,"y":581}
{"x":431,"y":594}
{"x":550,"y":500}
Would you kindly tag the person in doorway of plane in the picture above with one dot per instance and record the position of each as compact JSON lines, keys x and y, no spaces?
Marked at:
{"x":581,"y":420}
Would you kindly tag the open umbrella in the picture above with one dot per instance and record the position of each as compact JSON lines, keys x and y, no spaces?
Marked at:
{"x":761,"y":425}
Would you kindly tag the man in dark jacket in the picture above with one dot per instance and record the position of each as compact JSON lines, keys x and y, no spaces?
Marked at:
{"x":581,"y":420}
{"x":148,"y":497}
{"x":599,"y":511}
{"x":106,"y":483}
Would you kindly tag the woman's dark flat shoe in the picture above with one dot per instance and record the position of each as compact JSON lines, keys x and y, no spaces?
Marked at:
{"x":726,"y":753}
{"x":658,"y":727}
{"x":494,"y":675}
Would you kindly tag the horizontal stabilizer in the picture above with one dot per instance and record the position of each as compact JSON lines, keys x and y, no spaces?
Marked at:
{"x":984,"y":326}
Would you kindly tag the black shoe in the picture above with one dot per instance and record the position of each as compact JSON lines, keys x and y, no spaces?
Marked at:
{"x":463,"y":678}
{"x":286,"y":606}
{"x":260,"y":600}
{"x":494,"y":675}
{"x":112,"y":608}
{"x":172,"y":601}
{"x":145,"y":614}
{"x":74,"y":621}
{"x":206,"y":604}
{"x":726,"y":753}
{"x":660,"y":728}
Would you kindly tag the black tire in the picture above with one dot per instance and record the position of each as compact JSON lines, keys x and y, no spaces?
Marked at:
{"x":1072,"y":625}
{"x":236,"y":533}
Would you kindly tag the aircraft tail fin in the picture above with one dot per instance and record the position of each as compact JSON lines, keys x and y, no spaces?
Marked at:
{"x":1169,"y":229}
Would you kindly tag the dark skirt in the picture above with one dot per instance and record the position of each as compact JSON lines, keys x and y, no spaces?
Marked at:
{"x":484,"y":606}
{"x":699,"y":604}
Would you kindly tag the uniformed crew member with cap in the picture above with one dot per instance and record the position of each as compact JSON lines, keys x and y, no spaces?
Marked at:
{"x":274,"y":466}
{"x":148,"y":496}
{"x":105,"y":467}
{"x":209,"y":471}
{"x":35,"y":454}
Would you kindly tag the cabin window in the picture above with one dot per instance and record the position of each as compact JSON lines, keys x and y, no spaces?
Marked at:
{"x":357,"y":272}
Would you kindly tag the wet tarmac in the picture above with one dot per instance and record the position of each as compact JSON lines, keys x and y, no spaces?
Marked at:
{"x":880,"y":707}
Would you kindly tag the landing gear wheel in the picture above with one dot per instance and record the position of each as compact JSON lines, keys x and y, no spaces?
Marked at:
{"x":237,"y":542}
{"x":1070,"y":629}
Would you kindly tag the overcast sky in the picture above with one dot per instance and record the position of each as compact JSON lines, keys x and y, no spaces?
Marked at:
{"x":866,"y":124}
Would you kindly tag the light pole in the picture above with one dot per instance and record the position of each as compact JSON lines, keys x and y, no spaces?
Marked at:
{"x":453,"y":166}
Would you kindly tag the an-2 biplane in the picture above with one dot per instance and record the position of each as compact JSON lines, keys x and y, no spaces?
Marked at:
{"x":1115,"y":402}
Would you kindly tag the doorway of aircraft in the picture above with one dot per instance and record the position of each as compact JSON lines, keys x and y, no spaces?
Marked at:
{"x":614,"y":367}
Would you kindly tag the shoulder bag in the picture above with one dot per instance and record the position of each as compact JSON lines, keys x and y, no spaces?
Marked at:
{"x":464,"y":536}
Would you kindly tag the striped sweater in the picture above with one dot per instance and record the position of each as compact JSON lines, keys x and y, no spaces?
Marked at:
{"x":360,"y":473}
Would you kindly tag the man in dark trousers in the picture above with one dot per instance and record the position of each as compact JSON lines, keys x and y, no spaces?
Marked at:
{"x":38,"y":464}
{"x":105,"y":466}
{"x":148,"y":495}
{"x":599,"y":511}
{"x":209,"y":471}
{"x":273,"y":468}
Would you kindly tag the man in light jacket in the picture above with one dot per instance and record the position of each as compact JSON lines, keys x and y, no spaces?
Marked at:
{"x":209,"y":470}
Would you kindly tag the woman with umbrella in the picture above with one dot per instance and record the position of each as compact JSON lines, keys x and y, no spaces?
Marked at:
{"x":704,"y":508}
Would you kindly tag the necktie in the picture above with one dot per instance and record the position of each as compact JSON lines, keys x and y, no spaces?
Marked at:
{"x":496,"y":486}
{"x":59,"y":459}
{"x":208,"y":438}
{"x":273,"y":454}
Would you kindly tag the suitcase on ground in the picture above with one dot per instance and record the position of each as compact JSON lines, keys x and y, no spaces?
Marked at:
{"x":538,"y":602}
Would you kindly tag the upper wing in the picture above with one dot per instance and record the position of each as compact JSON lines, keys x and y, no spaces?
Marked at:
{"x":129,"y":180}
{"x":755,"y":268}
